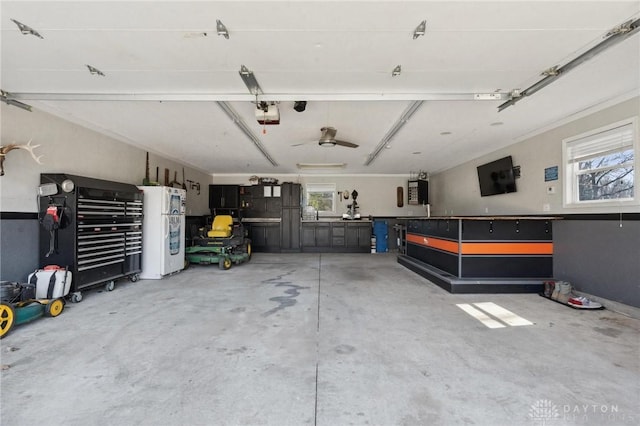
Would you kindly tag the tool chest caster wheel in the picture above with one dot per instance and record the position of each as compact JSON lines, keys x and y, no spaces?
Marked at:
{"x":110,"y":286}
{"x":133,"y":278}
{"x":76,"y":297}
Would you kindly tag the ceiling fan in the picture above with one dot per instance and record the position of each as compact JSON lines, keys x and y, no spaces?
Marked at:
{"x":328,"y":139}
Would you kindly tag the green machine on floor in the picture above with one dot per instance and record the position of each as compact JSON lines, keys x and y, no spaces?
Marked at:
{"x":43,"y":295}
{"x":225,"y":244}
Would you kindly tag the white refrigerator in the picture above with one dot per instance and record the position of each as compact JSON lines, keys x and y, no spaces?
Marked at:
{"x":163,"y":231}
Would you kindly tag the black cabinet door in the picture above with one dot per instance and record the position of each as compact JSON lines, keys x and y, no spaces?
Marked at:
{"x":265,"y":237}
{"x":290,"y":228}
{"x":215,"y":196}
{"x":352,"y":236}
{"x":364,"y":237}
{"x":291,"y":194}
{"x":230,"y":196}
{"x":258,"y":237}
{"x":323,"y":235}
{"x":359,"y":236}
{"x":308,"y":235}
{"x":272,"y":237}
{"x":273,"y":206}
{"x":223,"y":196}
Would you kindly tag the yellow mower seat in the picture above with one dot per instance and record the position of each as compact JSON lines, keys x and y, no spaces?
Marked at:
{"x":222,"y":227}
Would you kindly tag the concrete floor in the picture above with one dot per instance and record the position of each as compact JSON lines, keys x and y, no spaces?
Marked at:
{"x":317,"y":339}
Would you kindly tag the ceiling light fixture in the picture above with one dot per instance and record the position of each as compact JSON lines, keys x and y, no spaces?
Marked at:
{"x":396,"y":71}
{"x":8,"y":99}
{"x":614,"y":36}
{"x":404,"y":118}
{"x":420,"y":30}
{"x":321,"y":165}
{"x":25,"y":29}
{"x":250,"y":81}
{"x":233,"y":115}
{"x":222,"y":30}
{"x":95,"y":71}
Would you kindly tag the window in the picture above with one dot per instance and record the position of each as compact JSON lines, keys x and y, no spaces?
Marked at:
{"x":600,"y":166}
{"x":322,"y":196}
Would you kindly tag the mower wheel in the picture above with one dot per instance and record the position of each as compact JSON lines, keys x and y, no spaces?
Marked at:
{"x":7,"y":319}
{"x":54,"y":308}
{"x":248,"y":250}
{"x":110,"y":285}
{"x":76,"y":297}
{"x":224,"y":263}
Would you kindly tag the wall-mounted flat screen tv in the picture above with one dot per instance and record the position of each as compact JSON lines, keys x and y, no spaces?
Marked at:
{"x":497,"y":177}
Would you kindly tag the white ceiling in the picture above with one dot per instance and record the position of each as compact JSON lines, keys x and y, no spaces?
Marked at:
{"x":338,"y":55}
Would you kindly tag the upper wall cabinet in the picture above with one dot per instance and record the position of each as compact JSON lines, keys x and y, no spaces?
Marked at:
{"x":223,"y":196}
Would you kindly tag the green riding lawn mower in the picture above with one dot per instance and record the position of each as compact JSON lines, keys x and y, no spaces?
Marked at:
{"x":225,"y":244}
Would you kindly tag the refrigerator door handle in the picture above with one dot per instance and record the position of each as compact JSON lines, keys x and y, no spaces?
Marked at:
{"x":166,"y":226}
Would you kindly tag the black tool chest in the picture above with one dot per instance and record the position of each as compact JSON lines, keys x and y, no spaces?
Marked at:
{"x":99,"y":236}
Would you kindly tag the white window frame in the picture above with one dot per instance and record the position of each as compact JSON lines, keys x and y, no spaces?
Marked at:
{"x":570,"y":193}
{"x":322,"y":187}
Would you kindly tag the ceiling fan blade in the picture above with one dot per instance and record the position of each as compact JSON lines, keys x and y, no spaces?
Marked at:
{"x":303,"y":143}
{"x":347,"y":144}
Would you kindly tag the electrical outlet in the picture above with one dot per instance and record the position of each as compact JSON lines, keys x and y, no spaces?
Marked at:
{"x":486,"y":209}
{"x":546,"y":207}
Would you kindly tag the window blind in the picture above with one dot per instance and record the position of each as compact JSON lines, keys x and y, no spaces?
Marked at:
{"x":603,"y":143}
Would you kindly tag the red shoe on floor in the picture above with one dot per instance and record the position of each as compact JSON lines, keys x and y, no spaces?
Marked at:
{"x":583,"y":303}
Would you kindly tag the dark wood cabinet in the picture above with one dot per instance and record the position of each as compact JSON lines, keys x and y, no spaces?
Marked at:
{"x":290,"y":194}
{"x":323,"y":235}
{"x":261,"y":201}
{"x":358,"y":236}
{"x":316,"y":236}
{"x":224,"y":196}
{"x":291,"y":217}
{"x":265,"y":236}
{"x":290,"y":229}
{"x":336,"y":237}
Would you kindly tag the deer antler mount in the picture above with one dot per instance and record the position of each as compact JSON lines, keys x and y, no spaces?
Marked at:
{"x":4,"y":150}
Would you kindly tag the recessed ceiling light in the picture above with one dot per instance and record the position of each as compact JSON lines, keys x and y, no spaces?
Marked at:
{"x":396,"y":71}
{"x":416,"y":152}
{"x":496,"y":123}
{"x":445,"y":133}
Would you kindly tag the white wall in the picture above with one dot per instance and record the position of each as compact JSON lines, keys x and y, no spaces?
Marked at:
{"x":69,"y":148}
{"x":376,"y":193}
{"x":456,"y":191}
